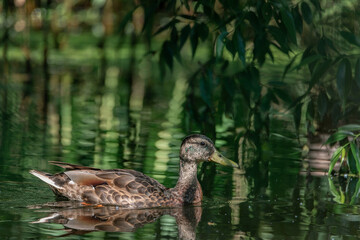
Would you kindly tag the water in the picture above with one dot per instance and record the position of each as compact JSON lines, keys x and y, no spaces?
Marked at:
{"x":139,"y":125}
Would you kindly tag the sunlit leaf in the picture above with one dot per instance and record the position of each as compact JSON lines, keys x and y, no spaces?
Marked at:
{"x":306,"y":12}
{"x":289,"y":24}
{"x":351,"y":162}
{"x":350,"y":127}
{"x":355,"y":154}
{"x":334,"y":159}
{"x":356,"y":192}
{"x":357,"y":72}
{"x":351,"y":38}
{"x":338,"y":136}
{"x":334,"y":191}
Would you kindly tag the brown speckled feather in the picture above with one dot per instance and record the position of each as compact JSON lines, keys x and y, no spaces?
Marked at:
{"x":132,"y":189}
{"x":126,"y":188}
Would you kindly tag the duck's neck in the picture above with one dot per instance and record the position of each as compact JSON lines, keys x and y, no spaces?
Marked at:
{"x":188,"y":189}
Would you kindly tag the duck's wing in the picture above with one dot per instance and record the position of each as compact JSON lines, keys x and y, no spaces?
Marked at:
{"x":127,"y":188}
{"x":123,"y":187}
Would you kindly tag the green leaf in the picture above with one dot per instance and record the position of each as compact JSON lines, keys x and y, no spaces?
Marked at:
{"x":126,"y":19}
{"x":184,"y":34}
{"x":356,"y":192}
{"x":297,"y":19}
{"x":350,"y":127}
{"x":288,"y":66}
{"x":166,"y":26}
{"x":203,"y":31}
{"x":189,"y":17}
{"x":166,"y":54}
{"x":279,"y":37}
{"x":266,"y":11}
{"x":240,"y":46}
{"x":334,"y":191}
{"x":334,"y":159}
{"x":288,"y":21}
{"x":194,"y":39}
{"x":306,"y":12}
{"x":355,"y":153}
{"x":320,"y":69}
{"x":357,"y":72}
{"x":219,"y":44}
{"x":308,"y":60}
{"x":351,"y":38}
{"x":316,"y":4}
{"x":338,"y":136}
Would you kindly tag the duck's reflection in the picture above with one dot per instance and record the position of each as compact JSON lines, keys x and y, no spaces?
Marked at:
{"x":78,"y":219}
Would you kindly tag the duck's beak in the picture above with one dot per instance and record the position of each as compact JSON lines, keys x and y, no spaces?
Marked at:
{"x":219,"y":158}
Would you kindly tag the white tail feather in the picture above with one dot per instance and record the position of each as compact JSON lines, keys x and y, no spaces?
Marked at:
{"x":44,"y":178}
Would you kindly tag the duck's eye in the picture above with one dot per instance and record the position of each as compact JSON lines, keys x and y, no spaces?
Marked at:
{"x":202,"y":143}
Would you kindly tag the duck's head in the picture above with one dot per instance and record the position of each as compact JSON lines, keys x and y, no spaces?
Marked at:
{"x":199,"y":148}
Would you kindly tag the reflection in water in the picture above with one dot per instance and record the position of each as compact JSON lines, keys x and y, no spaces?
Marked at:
{"x":78,"y":219}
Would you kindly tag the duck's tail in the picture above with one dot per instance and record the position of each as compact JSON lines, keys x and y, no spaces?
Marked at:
{"x":46,"y":177}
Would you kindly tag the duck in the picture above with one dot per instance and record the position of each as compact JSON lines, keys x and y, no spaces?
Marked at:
{"x":128,"y":188}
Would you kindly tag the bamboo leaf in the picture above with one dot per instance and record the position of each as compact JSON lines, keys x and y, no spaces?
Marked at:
{"x":297,"y":19}
{"x":319,"y":71}
{"x":194,"y":39}
{"x":350,"y":127}
{"x":351,"y":38}
{"x":288,"y":66}
{"x":240,"y":46}
{"x":338,"y":136}
{"x":219,"y":44}
{"x":308,"y":60}
{"x":334,"y":191}
{"x":334,"y":159}
{"x":355,"y":152}
{"x":288,"y":21}
{"x":306,"y":12}
{"x":356,"y":192}
{"x":184,"y":34}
